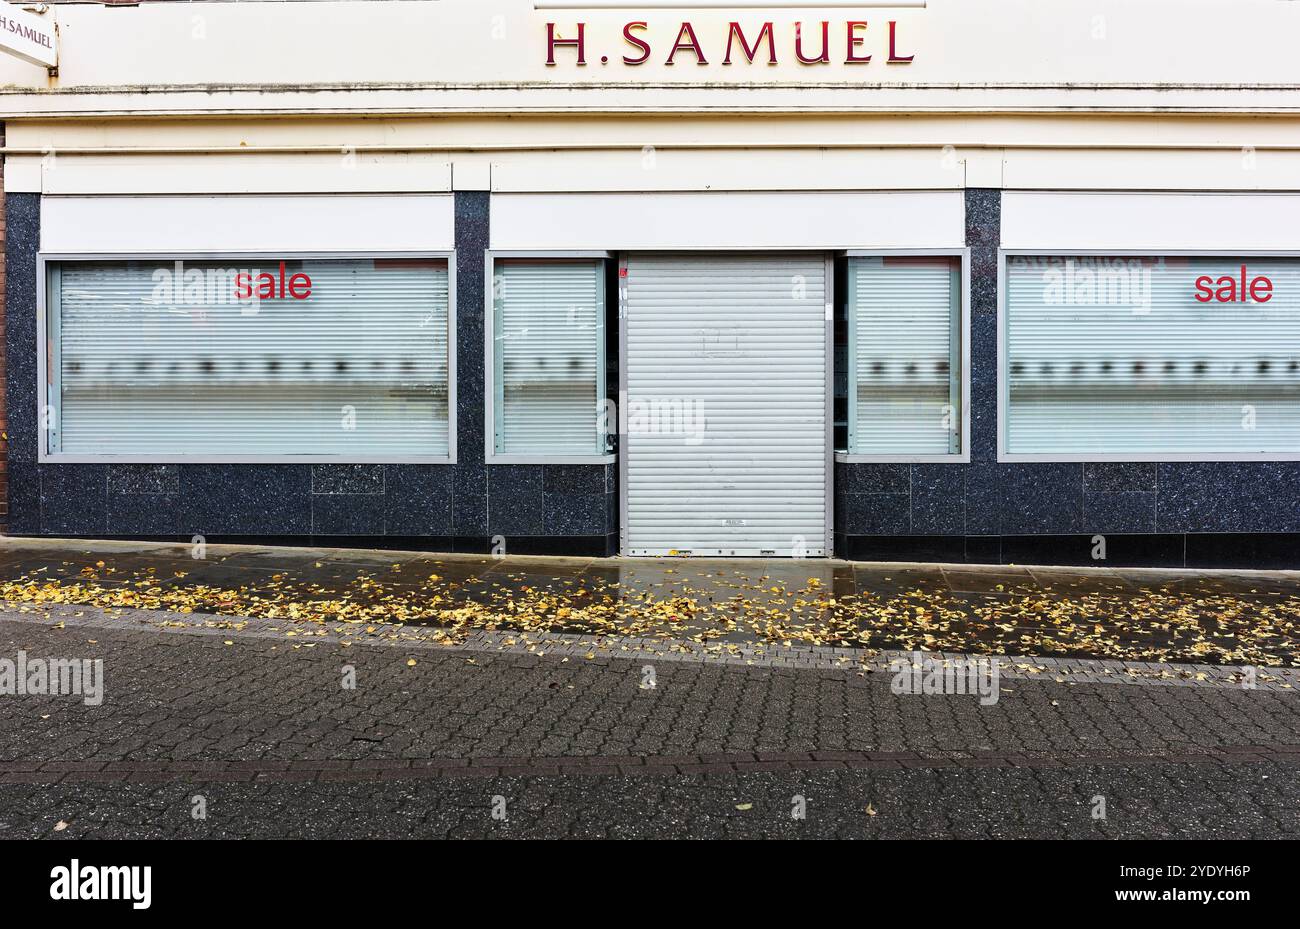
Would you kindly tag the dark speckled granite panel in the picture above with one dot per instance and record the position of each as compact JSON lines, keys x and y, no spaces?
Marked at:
{"x":1041,"y":498}
{"x":983,"y":499}
{"x":879,"y":514}
{"x":470,"y":502}
{"x":133,"y":479}
{"x":983,"y":237}
{"x":612,"y":516}
{"x":575,"y":479}
{"x":984,"y":348}
{"x":1119,"y":476}
{"x":984,"y":421}
{"x":473,"y":217}
{"x":347,"y":514}
{"x":1229,"y":496}
{"x":1125,"y":511}
{"x":574,"y":514}
{"x":418,"y":501}
{"x":470,"y":499}
{"x":22,"y":238}
{"x":73,"y":500}
{"x":24,"y":498}
{"x":875,"y":478}
{"x":247,"y":499}
{"x":515,"y":500}
{"x":144,"y":499}
{"x":157,"y":515}
{"x":347,"y":479}
{"x":938,"y":499}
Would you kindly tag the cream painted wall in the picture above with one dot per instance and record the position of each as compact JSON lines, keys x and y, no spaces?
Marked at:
{"x":638,"y":153}
{"x":256,"y":97}
{"x":466,"y":55}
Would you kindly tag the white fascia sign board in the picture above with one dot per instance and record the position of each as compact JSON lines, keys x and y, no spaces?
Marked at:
{"x":228,"y":223}
{"x":729,"y":220}
{"x":28,"y":36}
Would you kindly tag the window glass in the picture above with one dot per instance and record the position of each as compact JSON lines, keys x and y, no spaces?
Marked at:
{"x":549,"y":359}
{"x":253,"y":358}
{"x":1148,"y":356}
{"x":904,"y":321}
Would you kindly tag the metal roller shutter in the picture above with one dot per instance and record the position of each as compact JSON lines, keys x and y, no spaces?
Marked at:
{"x":727,"y":394}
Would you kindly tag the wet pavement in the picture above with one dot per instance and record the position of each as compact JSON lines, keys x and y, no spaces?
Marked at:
{"x":1132,"y":614}
{"x":430,"y":741}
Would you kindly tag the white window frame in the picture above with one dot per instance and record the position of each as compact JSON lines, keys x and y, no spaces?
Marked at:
{"x":1004,"y":386}
{"x":43,"y":346}
{"x":491,"y":455}
{"x":963,"y":456}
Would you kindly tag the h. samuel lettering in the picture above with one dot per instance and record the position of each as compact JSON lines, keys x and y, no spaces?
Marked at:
{"x":27,"y":32}
{"x":810,"y":43}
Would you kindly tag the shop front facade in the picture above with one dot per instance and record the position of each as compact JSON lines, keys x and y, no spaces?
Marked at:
{"x":875,"y":283}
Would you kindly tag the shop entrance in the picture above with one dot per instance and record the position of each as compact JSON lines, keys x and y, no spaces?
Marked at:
{"x":726,"y":378}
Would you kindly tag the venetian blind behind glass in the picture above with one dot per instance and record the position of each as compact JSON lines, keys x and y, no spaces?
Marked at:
{"x":1116,"y":356}
{"x":148,"y":364}
{"x":549,"y":319}
{"x":904,"y":344}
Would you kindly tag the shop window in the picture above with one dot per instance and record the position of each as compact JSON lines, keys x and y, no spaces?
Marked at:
{"x":248,"y":359}
{"x":548,"y":358}
{"x":1114,"y":357}
{"x":904,"y":357}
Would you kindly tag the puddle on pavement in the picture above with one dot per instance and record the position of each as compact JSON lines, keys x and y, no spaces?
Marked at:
{"x":1188,"y":615}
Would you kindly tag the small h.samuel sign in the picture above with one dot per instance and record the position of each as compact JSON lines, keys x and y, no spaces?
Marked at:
{"x":28,"y":36}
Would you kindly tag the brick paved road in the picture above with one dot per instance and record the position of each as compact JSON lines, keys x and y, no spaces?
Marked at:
{"x":1149,"y":801}
{"x":420,"y":751}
